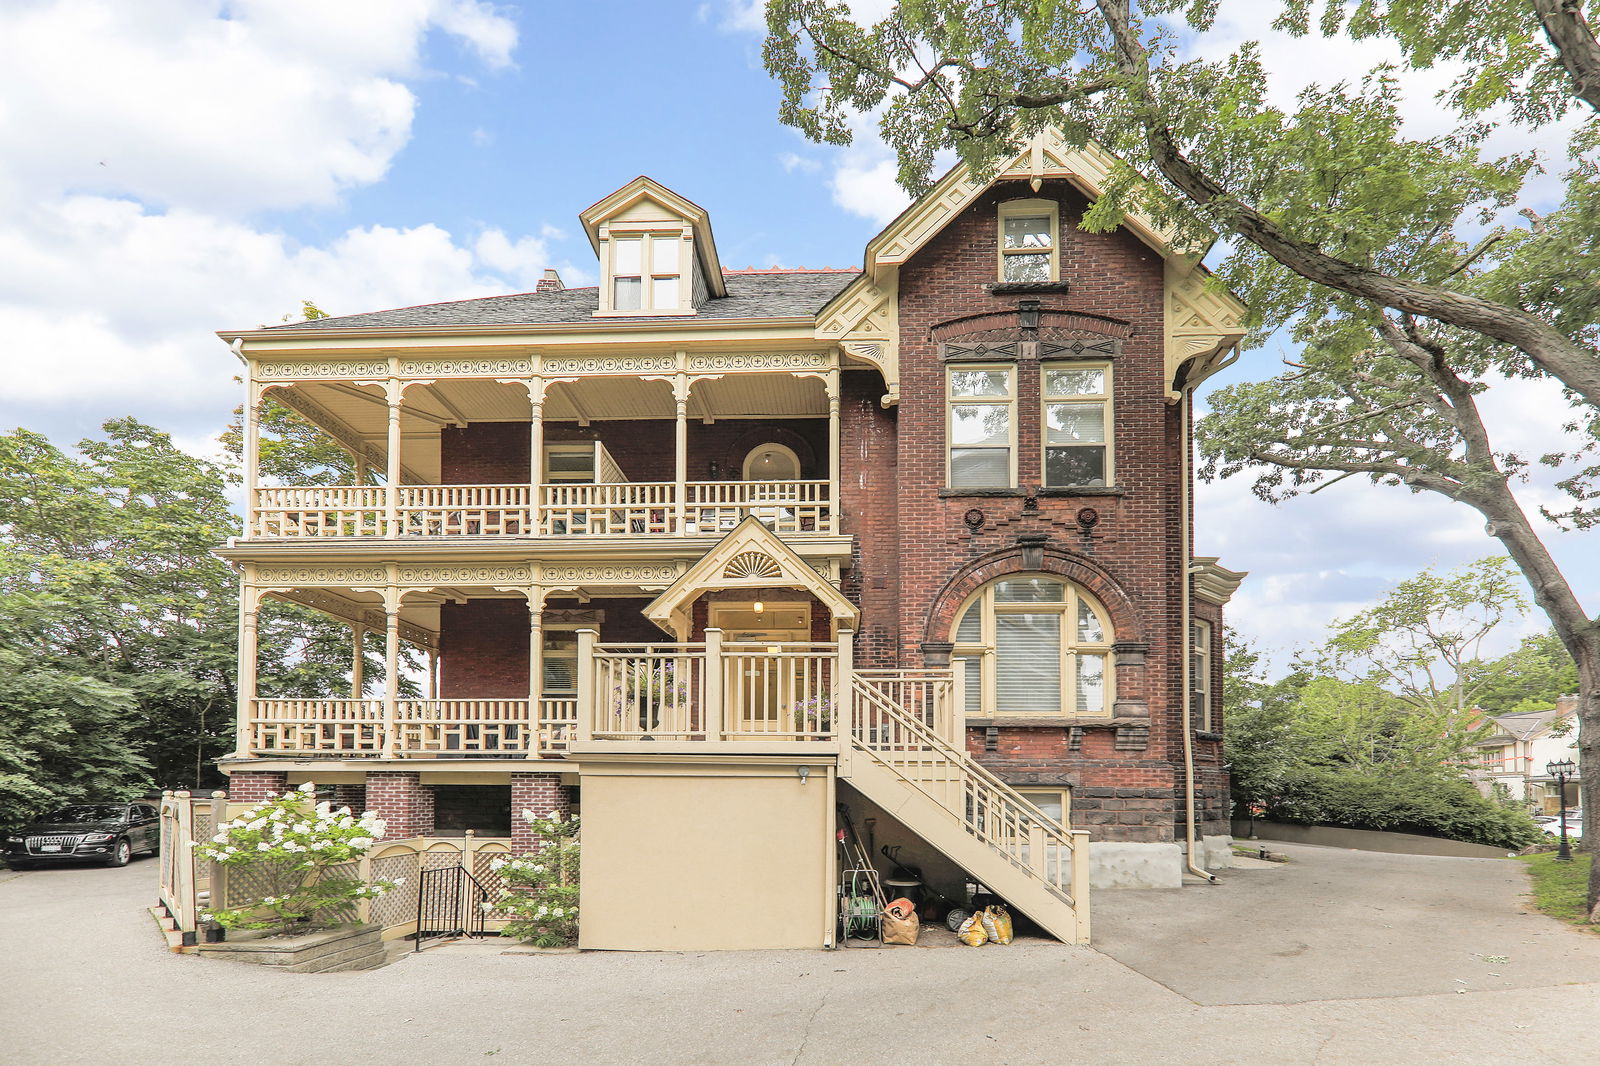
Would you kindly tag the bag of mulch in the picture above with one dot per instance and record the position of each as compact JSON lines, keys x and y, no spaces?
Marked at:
{"x":997,"y":924}
{"x":900,"y":924}
{"x":972,"y":932}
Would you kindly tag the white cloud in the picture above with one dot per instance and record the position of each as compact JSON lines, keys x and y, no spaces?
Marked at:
{"x":792,"y":162}
{"x":137,"y":144}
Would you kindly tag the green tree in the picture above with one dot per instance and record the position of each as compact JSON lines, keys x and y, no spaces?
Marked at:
{"x":1388,"y":257}
{"x":1532,"y":676}
{"x":1424,"y":638}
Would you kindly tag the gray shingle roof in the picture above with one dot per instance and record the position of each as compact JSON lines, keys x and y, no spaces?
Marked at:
{"x":754,"y":295}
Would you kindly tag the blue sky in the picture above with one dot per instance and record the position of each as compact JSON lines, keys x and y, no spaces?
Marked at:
{"x":209,"y":163}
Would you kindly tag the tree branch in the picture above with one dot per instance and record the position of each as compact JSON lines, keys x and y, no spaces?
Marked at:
{"x":1575,"y":46}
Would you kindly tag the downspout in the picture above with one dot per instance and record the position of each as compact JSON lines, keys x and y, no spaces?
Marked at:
{"x":1187,"y":402}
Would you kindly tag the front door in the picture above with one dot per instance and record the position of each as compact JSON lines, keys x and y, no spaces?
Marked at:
{"x":766,"y":681}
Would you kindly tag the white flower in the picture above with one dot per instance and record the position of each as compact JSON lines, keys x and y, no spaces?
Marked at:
{"x":196,"y":843}
{"x":308,"y":787}
{"x":529,"y":816}
{"x":220,"y":838}
{"x":497,"y":864}
{"x":263,"y":847}
{"x":270,"y":900}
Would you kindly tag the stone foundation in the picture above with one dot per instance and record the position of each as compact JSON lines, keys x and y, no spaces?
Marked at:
{"x":1128,"y":864}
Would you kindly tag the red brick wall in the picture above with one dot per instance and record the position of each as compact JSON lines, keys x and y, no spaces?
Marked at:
{"x":494,"y":453}
{"x":256,"y":786}
{"x":869,"y":511}
{"x":352,"y":796}
{"x":1130,"y":558}
{"x":403,"y":801}
{"x":483,"y":649}
{"x":543,"y":795}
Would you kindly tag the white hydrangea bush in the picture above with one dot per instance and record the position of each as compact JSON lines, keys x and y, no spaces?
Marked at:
{"x":286,"y":848}
{"x":542,"y":888}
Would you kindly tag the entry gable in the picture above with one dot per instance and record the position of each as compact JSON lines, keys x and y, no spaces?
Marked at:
{"x":751,"y":556}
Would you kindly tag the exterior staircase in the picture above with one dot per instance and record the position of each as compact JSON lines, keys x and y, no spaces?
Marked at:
{"x":897,"y":757}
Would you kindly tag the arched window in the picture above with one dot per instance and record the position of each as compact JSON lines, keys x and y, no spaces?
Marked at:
{"x":1034,"y":644}
{"x":772,"y":462}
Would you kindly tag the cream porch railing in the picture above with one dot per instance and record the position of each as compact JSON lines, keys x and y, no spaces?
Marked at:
{"x":716,"y":690}
{"x":565,"y":509}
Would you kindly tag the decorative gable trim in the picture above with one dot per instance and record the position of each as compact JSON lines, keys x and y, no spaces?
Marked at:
{"x":750,"y":556}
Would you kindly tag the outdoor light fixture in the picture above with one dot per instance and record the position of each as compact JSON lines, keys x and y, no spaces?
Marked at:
{"x":760,"y":607}
{"x":1561,"y":769}
{"x":804,"y":772}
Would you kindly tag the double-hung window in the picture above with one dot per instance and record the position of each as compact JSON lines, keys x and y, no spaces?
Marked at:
{"x":1028,"y":244}
{"x":1033,"y":644}
{"x":981,"y":427}
{"x":1200,"y":675}
{"x":645,"y":272}
{"x":1077,"y":425}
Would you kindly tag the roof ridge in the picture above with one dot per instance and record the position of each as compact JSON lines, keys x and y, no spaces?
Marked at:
{"x":793,"y":270}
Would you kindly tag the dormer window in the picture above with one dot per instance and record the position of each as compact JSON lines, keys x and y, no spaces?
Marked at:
{"x":1029,"y":242}
{"x":633,"y":288}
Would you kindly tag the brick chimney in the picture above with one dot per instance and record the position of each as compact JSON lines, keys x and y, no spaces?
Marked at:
{"x":551,"y":282}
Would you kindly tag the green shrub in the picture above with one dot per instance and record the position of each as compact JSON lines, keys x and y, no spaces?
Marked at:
{"x":1399,"y":802}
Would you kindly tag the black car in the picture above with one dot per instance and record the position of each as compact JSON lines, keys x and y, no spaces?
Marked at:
{"x":99,"y":832}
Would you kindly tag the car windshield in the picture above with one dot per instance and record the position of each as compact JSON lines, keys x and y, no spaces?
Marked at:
{"x":87,"y":812}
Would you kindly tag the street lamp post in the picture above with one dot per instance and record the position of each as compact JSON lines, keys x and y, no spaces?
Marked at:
{"x":1561,"y":770}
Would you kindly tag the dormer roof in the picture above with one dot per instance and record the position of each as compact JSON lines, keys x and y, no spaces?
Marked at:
{"x":645,"y":199}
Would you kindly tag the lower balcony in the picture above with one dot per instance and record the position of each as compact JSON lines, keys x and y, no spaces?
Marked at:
{"x":657,"y":696}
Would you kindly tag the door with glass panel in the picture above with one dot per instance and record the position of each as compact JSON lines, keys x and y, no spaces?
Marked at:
{"x":1033,"y":646}
{"x":769,"y":681}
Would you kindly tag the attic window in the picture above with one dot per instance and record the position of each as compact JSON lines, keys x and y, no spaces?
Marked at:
{"x":1029,"y":242}
{"x":635,"y":288}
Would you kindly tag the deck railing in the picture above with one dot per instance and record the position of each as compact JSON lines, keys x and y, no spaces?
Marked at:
{"x":567,"y":509}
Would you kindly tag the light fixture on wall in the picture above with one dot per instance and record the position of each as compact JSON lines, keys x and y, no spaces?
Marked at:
{"x":760,"y":607}
{"x":804,"y":772}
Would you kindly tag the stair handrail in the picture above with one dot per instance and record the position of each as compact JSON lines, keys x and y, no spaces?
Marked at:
{"x":1043,"y":830}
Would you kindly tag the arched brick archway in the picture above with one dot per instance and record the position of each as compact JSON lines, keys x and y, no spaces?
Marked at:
{"x":941,"y":618}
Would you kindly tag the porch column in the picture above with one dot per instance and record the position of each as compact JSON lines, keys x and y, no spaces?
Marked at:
{"x":585,"y":727}
{"x":358,"y":660}
{"x":361,"y":468}
{"x":711,"y":697}
{"x":833,"y":450}
{"x":249,"y":606}
{"x":391,"y":670}
{"x":535,"y":455}
{"x":680,"y":394}
{"x":391,"y":493}
{"x":433,"y":674}
{"x":250,"y":439}
{"x":535,"y":674}
{"x":844,"y":690}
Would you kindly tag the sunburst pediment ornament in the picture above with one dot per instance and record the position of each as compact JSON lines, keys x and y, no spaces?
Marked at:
{"x":752,"y":564}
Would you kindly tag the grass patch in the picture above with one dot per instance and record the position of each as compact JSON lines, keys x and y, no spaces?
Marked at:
{"x":1560,"y":888}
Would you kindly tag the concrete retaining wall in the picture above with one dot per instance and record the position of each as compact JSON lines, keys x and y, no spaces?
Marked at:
{"x":350,"y":947}
{"x":1363,"y":840}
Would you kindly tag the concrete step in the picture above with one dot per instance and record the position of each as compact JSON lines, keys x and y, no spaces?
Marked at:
{"x":345,"y":952}
{"x":370,"y":961}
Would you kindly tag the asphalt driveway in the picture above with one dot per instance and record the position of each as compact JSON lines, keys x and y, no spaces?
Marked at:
{"x":1340,"y":957}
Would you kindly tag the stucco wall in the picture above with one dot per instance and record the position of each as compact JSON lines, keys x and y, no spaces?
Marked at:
{"x":695,"y":857}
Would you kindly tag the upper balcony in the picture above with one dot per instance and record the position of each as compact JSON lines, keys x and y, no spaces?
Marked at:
{"x":612,"y":452}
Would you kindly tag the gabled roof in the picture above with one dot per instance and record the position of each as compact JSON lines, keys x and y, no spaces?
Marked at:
{"x":643,"y":190}
{"x":750,"y":556}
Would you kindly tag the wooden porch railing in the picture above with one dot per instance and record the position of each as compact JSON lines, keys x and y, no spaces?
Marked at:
{"x":567,"y":509}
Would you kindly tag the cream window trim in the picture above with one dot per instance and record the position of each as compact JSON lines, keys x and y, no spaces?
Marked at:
{"x":1070,"y":648}
{"x":1016,"y":209}
{"x":659,"y":263}
{"x":1063,"y":796}
{"x":1008,"y":401}
{"x":1056,"y":388}
{"x":1201,"y":697}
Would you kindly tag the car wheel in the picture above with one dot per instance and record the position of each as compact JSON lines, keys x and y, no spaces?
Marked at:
{"x":121,"y":854}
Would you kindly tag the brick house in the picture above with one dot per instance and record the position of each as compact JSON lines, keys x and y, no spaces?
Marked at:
{"x":714,"y":555}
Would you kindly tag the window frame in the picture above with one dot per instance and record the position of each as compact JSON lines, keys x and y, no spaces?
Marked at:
{"x":1200,"y":657}
{"x":1025,"y":209}
{"x":986,"y":648}
{"x":1107,"y":400}
{"x":647,"y":275}
{"x":1009,"y":402}
{"x":1028,"y":791}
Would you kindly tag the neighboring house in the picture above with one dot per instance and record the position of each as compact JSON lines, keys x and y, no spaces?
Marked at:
{"x":708,"y":552}
{"x":1516,"y":748}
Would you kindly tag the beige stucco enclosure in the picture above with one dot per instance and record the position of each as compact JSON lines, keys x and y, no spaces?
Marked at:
{"x":693,"y":853}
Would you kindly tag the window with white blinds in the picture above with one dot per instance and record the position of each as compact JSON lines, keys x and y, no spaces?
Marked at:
{"x":1033,"y":645}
